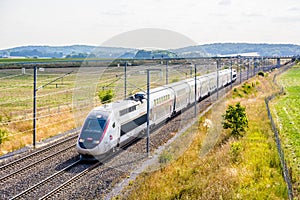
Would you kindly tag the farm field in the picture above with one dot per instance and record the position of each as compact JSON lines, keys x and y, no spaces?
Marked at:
{"x":16,"y":107}
{"x":286,"y":111}
{"x":235,"y":168}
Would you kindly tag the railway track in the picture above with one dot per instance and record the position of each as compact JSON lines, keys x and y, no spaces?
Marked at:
{"x":45,"y":150}
{"x":61,"y":187}
{"x":26,"y":171}
{"x":30,"y":192}
{"x":39,"y":153}
{"x":31,"y":165}
{"x":57,"y":182}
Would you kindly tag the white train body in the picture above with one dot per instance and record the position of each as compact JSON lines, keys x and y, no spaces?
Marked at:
{"x":114,"y":124}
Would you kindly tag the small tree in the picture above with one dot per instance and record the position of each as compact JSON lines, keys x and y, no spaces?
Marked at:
{"x":106,"y":96}
{"x":235,"y":119}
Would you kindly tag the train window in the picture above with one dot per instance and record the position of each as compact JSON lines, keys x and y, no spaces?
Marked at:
{"x":127,"y":110}
{"x":123,"y":112}
{"x":95,"y":124}
{"x":133,"y":108}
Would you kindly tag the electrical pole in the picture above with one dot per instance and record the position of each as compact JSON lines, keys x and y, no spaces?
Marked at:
{"x":148,"y":110}
{"x":218,"y":65}
{"x":240,"y":71}
{"x":230,"y":73}
{"x":125,"y":80}
{"x":35,"y":89}
{"x":247,"y":70}
{"x":167,"y":73}
{"x":34,"y":105}
{"x":195,"y":107}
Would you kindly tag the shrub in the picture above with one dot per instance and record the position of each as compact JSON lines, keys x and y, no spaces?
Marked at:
{"x":174,"y":80}
{"x":165,"y":157}
{"x":235,"y":119}
{"x":235,"y":150}
{"x":106,"y":96}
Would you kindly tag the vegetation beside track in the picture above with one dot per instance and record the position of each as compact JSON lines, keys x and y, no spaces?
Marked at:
{"x":286,"y":112}
{"x":236,"y":168}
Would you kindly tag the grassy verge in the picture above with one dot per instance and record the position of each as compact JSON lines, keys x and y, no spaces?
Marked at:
{"x":245,"y":168}
{"x":286,"y":109}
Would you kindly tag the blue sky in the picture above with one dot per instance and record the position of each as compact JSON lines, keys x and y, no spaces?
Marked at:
{"x":67,"y":22}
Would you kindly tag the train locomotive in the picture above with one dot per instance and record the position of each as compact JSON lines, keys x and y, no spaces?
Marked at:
{"x":112,"y":125}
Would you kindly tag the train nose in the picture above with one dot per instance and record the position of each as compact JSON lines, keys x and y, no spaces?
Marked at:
{"x":88,"y":143}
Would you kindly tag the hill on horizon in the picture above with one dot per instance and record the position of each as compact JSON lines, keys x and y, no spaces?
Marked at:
{"x":216,"y":49}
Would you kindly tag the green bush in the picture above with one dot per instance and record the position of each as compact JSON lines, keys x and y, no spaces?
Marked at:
{"x":174,"y":80}
{"x":165,"y":157}
{"x":235,"y":150}
{"x":235,"y":119}
{"x":106,"y":96}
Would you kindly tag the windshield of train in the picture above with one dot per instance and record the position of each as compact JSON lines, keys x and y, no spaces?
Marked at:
{"x":93,"y":128}
{"x":94,"y":125}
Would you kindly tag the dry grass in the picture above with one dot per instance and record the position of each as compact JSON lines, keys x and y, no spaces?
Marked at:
{"x":245,"y":168}
{"x":20,"y":134}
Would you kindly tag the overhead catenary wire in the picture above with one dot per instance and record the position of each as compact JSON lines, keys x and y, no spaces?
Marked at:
{"x":49,"y":94}
{"x":44,"y":116}
{"x":30,"y":84}
{"x":10,"y":76}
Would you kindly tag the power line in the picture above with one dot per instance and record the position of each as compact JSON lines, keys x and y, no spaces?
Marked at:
{"x":10,"y":76}
{"x":40,"y":127}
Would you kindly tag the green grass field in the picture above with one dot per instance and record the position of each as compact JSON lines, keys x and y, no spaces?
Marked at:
{"x":286,"y":109}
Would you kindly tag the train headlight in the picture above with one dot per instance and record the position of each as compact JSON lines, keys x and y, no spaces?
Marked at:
{"x":81,"y":140}
{"x":96,"y":141}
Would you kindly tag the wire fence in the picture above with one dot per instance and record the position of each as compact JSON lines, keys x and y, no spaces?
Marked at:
{"x":283,"y":162}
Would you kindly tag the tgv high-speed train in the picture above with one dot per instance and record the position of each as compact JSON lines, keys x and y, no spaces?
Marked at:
{"x":114,"y":124}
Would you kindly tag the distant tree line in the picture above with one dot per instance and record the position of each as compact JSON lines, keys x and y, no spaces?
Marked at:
{"x":36,"y":53}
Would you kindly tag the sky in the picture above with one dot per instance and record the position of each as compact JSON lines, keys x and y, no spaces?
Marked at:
{"x":93,"y":22}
